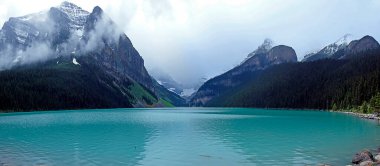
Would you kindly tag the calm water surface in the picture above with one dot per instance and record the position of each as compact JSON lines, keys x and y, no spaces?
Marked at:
{"x":183,"y":136}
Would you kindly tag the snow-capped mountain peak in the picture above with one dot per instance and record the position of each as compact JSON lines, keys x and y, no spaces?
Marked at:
{"x":263,"y":48}
{"x":330,"y":50}
{"x":76,"y":14}
{"x":339,"y":44}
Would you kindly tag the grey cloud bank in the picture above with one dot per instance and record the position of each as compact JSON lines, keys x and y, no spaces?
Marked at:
{"x":194,"y":39}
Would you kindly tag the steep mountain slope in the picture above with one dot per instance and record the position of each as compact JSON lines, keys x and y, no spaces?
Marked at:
{"x":343,"y":48}
{"x":317,"y":85}
{"x":262,"y":58}
{"x":358,"y":46}
{"x":346,"y":75}
{"x":116,"y":54}
{"x":90,"y":41}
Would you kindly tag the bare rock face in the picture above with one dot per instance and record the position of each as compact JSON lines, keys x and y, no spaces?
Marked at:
{"x":276,"y":55}
{"x":281,"y":54}
{"x":115,"y":52}
{"x":263,"y":57}
{"x":364,"y":44}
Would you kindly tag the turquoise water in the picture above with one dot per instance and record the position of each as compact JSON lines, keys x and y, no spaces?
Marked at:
{"x":183,"y":136}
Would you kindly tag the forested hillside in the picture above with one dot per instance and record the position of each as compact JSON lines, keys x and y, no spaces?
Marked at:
{"x":51,"y":86}
{"x":316,"y":85}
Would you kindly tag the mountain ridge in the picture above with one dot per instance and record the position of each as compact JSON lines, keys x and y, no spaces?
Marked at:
{"x":288,"y":83}
{"x":343,"y":83}
{"x":343,"y":48}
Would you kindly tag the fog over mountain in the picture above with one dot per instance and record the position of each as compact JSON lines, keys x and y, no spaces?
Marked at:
{"x":190,"y":40}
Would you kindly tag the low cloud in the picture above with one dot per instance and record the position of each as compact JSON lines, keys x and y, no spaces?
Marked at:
{"x":22,"y":51}
{"x":37,"y":52}
{"x":104,"y":32}
{"x":41,"y":49}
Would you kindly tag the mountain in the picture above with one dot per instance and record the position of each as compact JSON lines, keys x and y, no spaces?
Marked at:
{"x":117,"y":53}
{"x":322,"y":84}
{"x":260,"y":59}
{"x":65,"y":42}
{"x":343,"y":48}
{"x":330,"y":50}
{"x":357,"y":46}
{"x":273,"y":78}
{"x":167,"y":81}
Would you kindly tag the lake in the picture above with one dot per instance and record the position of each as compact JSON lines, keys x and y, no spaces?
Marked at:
{"x":183,"y":136}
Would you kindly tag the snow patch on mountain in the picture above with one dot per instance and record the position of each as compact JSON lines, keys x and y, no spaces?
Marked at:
{"x":75,"y":62}
{"x":330,"y":50}
{"x":339,"y":44}
{"x":263,"y":48}
{"x":172,"y":90}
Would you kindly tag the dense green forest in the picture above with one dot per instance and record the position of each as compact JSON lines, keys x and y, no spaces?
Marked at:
{"x":323,"y":84}
{"x":373,"y":106}
{"x":52,"y":86}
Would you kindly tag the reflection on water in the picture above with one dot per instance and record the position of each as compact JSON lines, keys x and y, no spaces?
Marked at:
{"x":75,"y":137}
{"x":183,"y":137}
{"x":295,"y":137}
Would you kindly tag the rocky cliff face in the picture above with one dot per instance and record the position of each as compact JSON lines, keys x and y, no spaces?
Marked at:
{"x":116,"y":53}
{"x":262,"y":58}
{"x":357,"y":46}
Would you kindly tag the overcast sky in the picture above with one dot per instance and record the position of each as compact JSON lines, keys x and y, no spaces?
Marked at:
{"x":191,"y":39}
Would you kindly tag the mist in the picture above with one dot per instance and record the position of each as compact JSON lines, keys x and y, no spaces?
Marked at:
{"x":40,"y":48}
{"x":190,"y":40}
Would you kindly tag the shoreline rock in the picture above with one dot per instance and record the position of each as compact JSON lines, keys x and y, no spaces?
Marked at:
{"x":366,"y":158}
{"x":364,"y":116}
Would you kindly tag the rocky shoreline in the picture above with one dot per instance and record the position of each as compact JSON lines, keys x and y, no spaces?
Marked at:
{"x":364,"y":116}
{"x":366,"y":158}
